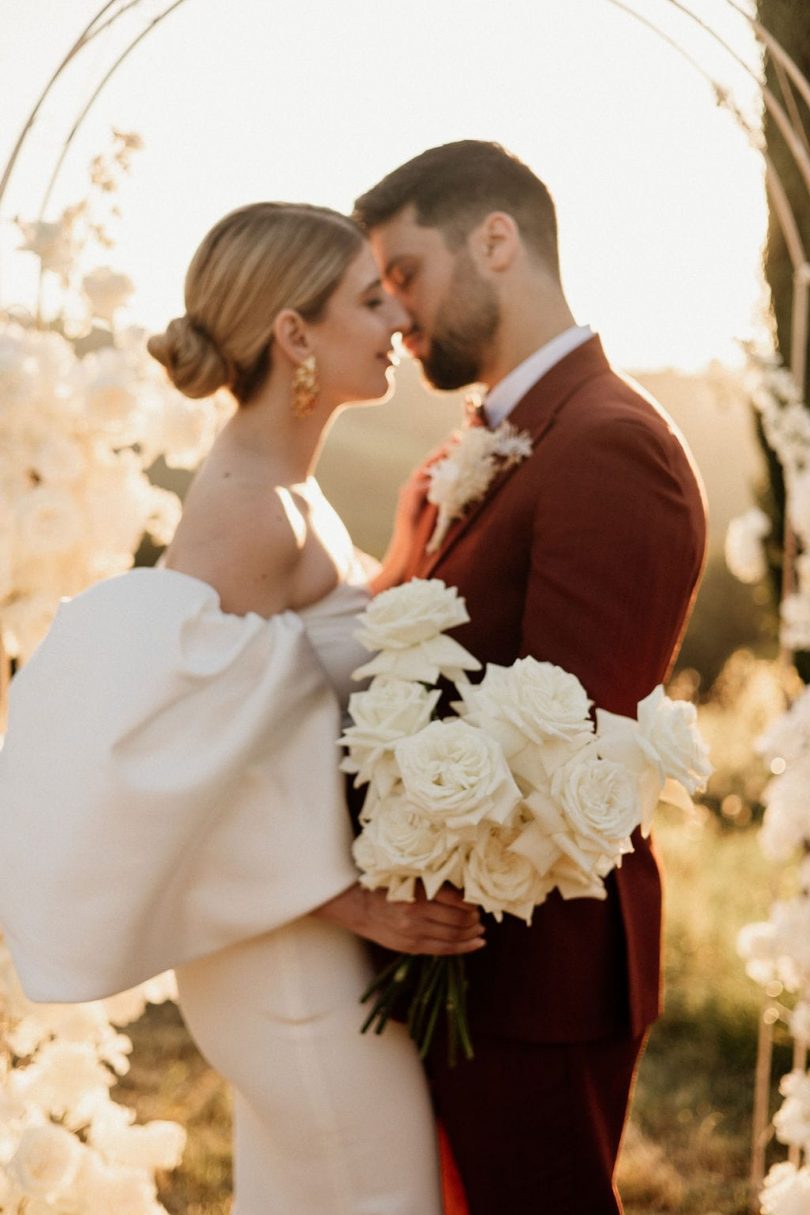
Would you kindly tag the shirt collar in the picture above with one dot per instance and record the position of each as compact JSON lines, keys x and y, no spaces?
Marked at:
{"x":504,"y":396}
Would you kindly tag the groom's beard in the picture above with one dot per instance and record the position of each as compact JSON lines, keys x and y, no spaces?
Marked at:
{"x":465,"y":326}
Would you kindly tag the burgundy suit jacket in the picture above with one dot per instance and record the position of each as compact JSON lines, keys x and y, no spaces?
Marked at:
{"x":588,"y":555}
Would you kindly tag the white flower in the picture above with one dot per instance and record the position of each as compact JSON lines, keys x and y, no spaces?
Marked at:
{"x":187,"y":430}
{"x":786,"y":1191}
{"x":745,"y":555}
{"x":107,"y":291}
{"x":68,"y":1081}
{"x":157,"y":1145}
{"x":24,"y":622}
{"x":399,"y":844}
{"x":406,"y":615}
{"x":45,"y":1162}
{"x":102,"y":1189}
{"x":406,"y":625}
{"x":457,"y":776}
{"x":670,"y":728}
{"x":59,"y":460}
{"x":390,"y":709}
{"x":49,"y":521}
{"x":800,"y":1021}
{"x":795,"y":613}
{"x":756,"y":945}
{"x":165,"y":509}
{"x":789,"y":736}
{"x":499,"y":879}
{"x":537,"y":711}
{"x":792,"y":1121}
{"x":786,"y":824}
{"x":465,"y":474}
{"x":589,"y":816}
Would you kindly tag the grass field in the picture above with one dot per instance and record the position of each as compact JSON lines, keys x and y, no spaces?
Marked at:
{"x":687,"y":1148}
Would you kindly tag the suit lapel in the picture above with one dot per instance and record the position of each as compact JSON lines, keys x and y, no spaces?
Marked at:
{"x":535,"y":413}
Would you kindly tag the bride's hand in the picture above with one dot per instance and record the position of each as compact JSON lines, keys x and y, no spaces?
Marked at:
{"x":441,"y":926}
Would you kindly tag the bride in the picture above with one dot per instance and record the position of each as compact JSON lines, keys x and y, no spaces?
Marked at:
{"x":169,"y":781}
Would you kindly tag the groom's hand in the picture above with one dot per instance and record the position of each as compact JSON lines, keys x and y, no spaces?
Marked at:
{"x":441,"y":926}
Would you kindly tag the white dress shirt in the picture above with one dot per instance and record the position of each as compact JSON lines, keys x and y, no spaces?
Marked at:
{"x":502,"y":399}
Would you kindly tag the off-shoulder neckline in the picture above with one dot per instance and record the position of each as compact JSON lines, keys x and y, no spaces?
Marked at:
{"x":297,"y":613}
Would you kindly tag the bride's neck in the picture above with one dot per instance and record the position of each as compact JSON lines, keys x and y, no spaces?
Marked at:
{"x":267,"y":427}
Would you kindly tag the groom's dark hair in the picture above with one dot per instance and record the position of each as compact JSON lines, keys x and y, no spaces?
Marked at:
{"x":455,"y":185}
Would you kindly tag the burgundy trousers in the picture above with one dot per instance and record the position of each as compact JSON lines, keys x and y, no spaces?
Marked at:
{"x":536,"y":1128}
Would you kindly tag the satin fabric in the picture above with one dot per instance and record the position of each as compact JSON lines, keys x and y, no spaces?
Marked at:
{"x":164,"y":762}
{"x":171,"y":798}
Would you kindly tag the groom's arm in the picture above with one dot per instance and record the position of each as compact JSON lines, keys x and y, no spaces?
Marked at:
{"x":616,"y":551}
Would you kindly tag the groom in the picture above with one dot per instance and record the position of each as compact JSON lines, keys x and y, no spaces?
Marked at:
{"x":587,"y":554}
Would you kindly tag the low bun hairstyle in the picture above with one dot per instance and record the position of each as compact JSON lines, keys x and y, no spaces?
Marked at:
{"x":252,"y":264}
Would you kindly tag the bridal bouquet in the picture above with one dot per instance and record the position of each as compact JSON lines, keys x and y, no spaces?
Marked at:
{"x":518,"y":794}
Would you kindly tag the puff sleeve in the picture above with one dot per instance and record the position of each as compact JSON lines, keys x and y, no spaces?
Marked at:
{"x":168,"y":786}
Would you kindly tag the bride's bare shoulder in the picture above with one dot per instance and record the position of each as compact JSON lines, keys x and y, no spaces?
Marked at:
{"x":244,"y":537}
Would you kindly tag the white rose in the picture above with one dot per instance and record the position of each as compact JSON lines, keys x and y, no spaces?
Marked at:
{"x":457,"y":775}
{"x":568,"y":878}
{"x":500,"y":880}
{"x":599,"y":799}
{"x":107,"y":291}
{"x":46,"y":1161}
{"x":406,"y":624}
{"x":745,"y":555}
{"x":670,"y":728}
{"x":399,"y":842}
{"x":786,"y":1191}
{"x":390,"y":709}
{"x":49,"y":521}
{"x":593,"y":809}
{"x":537,"y":711}
{"x":405,"y":615}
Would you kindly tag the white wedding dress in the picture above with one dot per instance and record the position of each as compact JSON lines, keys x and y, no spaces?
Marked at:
{"x":169,"y":797}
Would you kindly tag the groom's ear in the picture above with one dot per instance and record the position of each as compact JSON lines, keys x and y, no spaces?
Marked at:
{"x":291,"y":335}
{"x":495,"y":243}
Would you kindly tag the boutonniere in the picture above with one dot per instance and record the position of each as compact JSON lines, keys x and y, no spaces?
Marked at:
{"x":465,"y":473}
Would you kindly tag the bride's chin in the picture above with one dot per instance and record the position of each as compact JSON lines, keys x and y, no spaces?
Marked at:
{"x":379,"y":398}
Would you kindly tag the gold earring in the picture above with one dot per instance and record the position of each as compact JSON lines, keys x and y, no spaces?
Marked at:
{"x":305,"y":387}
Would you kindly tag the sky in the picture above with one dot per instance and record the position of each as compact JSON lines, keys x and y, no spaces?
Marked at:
{"x":660,"y":199}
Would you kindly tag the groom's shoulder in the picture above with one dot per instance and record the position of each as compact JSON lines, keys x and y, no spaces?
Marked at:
{"x":614,"y":408}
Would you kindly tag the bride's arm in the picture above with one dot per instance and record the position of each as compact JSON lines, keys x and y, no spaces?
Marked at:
{"x":444,"y":925}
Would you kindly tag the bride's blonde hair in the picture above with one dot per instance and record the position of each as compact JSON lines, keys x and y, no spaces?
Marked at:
{"x":252,"y":264}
